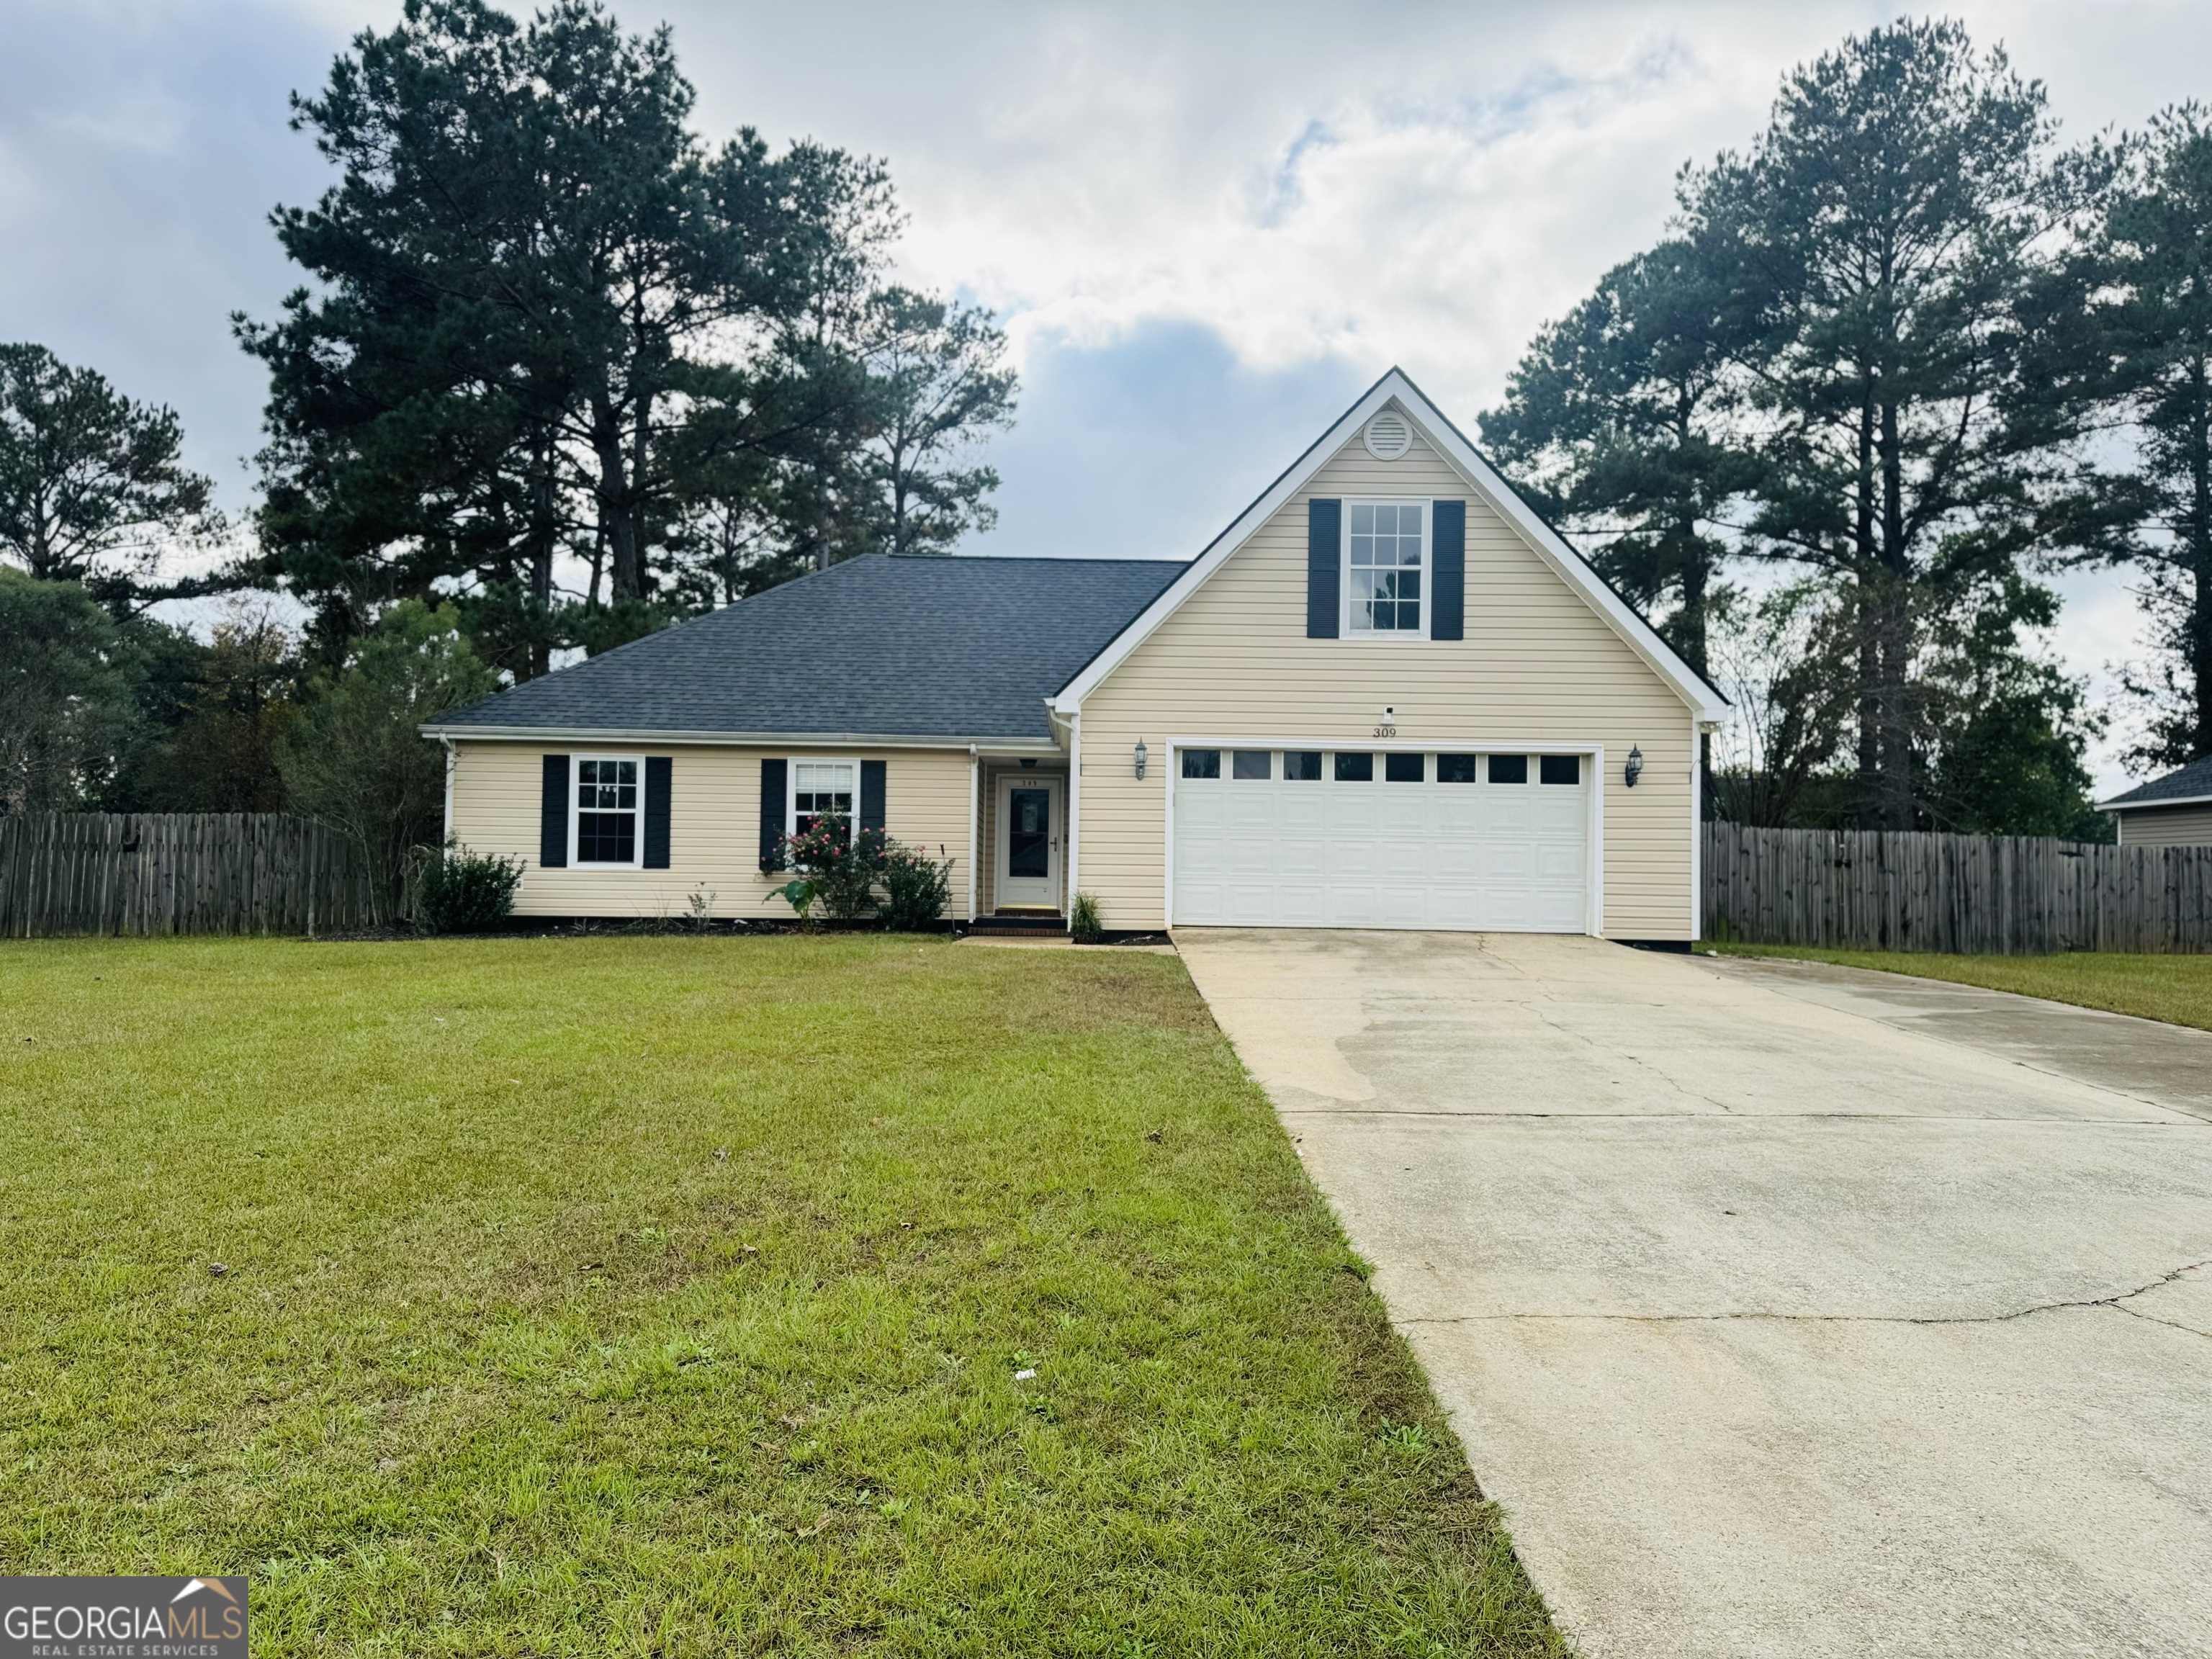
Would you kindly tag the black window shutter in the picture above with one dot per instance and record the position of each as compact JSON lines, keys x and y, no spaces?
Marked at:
{"x":871,"y":798}
{"x":776,"y":775}
{"x":553,"y":814}
{"x":1447,"y":583}
{"x":659,"y":775}
{"x":1324,"y":552}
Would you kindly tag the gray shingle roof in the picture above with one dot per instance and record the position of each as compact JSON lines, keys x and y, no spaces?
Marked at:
{"x":879,"y":647}
{"x":2192,"y":782}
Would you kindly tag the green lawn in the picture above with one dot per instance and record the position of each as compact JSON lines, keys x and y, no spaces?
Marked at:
{"x":671,"y":1296}
{"x":2176,"y":989}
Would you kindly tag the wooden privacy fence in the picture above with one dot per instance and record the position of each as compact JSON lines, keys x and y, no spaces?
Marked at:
{"x":177,"y":872}
{"x":1999,"y":895}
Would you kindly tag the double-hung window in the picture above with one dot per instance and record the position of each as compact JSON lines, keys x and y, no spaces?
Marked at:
{"x":607,"y":809}
{"x":820,"y":787}
{"x":1386,"y":547}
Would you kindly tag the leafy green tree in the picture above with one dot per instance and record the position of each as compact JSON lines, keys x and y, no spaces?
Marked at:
{"x":1897,"y":220}
{"x":940,"y":384}
{"x":1784,"y":660}
{"x":2152,"y":265}
{"x":355,"y":758}
{"x":210,"y":718}
{"x":93,"y":486}
{"x":1626,"y":420}
{"x":2010,"y":728}
{"x":544,"y":306}
{"x":66,"y":710}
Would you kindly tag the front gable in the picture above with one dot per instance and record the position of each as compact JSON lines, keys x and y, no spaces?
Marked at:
{"x":1526,"y":598}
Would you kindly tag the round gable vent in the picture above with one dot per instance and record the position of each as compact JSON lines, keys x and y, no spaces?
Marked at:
{"x":1388,"y":436}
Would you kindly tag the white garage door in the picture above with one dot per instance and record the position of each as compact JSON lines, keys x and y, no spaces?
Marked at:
{"x":1303,"y":838}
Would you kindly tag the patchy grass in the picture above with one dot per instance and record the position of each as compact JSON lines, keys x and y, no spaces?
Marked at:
{"x":806,"y":1296}
{"x":2176,"y":989}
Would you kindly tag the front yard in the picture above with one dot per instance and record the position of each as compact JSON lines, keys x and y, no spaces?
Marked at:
{"x":2176,"y":989}
{"x":703,"y":1295}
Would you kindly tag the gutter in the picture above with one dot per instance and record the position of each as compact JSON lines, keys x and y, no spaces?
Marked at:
{"x":1029,"y":744}
{"x":2121,"y":804}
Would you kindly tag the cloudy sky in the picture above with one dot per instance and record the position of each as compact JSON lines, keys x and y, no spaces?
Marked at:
{"x":1206,"y":228}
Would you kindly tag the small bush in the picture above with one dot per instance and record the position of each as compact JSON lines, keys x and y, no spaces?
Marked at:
{"x":917,"y":888}
{"x":1083,"y":921}
{"x":833,"y":868}
{"x":458,"y":891}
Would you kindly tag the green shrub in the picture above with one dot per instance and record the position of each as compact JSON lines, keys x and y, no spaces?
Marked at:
{"x":834,"y":869}
{"x":917,"y":888}
{"x":1083,"y":921}
{"x":458,"y":891}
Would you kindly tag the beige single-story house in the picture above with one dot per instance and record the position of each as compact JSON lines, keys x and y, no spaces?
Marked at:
{"x":1388,"y":695}
{"x":2172,"y":811}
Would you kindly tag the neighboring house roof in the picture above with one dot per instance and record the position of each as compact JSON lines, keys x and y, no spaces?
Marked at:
{"x":953,"y":649}
{"x":2191,"y":784}
{"x":1704,"y":700}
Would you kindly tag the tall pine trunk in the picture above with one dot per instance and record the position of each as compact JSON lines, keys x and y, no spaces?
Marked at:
{"x":617,"y":509}
{"x":1898,"y":795}
{"x":544,"y":531}
{"x":1866,"y":623}
{"x":2199,"y":583}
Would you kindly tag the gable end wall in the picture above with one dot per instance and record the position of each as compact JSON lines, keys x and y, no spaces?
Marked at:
{"x":1537,"y":664}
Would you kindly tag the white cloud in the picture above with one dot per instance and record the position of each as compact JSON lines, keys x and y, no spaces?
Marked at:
{"x":1316,"y":190}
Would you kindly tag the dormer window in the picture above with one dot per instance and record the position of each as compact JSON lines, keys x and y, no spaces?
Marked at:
{"x":1385,"y":556}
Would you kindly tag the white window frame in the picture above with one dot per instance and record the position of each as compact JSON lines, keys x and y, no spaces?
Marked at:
{"x":790,"y":787}
{"x":1346,"y":606}
{"x":576,"y":859}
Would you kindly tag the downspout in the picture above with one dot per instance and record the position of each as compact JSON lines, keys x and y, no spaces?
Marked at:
{"x":452,"y":759}
{"x":1074,"y":812}
{"x":974,"y":821}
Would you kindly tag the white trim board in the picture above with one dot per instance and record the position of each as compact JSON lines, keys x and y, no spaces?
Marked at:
{"x":1395,"y":388}
{"x":2152,"y":805}
{"x":782,"y":740}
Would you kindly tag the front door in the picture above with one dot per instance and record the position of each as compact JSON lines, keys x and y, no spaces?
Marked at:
{"x":1028,"y":842}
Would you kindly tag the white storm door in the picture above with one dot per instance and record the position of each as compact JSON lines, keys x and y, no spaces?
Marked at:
{"x":1028,"y":837}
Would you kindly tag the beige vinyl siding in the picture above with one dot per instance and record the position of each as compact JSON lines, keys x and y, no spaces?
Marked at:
{"x":2166,"y":826}
{"x":714,"y":840}
{"x":1537,"y":666}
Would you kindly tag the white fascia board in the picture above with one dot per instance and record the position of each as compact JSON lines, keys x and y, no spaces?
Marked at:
{"x":736,"y":739}
{"x":1395,"y":387}
{"x":2152,"y":805}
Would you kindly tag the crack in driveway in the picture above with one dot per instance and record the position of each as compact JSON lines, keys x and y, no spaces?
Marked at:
{"x":2114,"y":1302}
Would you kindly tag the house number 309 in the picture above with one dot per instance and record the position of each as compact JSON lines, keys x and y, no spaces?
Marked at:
{"x":1386,"y":730}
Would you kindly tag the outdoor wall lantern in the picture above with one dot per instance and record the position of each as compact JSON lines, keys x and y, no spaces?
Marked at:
{"x":1635,"y":767}
{"x":1141,"y":757}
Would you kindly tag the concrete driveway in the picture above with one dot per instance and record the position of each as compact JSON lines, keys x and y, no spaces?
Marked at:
{"x":1786,"y":1310}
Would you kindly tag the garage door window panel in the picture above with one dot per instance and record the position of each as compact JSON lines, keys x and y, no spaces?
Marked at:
{"x":1201,"y":762}
{"x":1252,"y":764}
{"x":1302,"y":765}
{"x":1456,"y":769}
{"x":1560,"y":770}
{"x":1509,"y":768}
{"x":1404,"y":768}
{"x":1355,"y":768}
